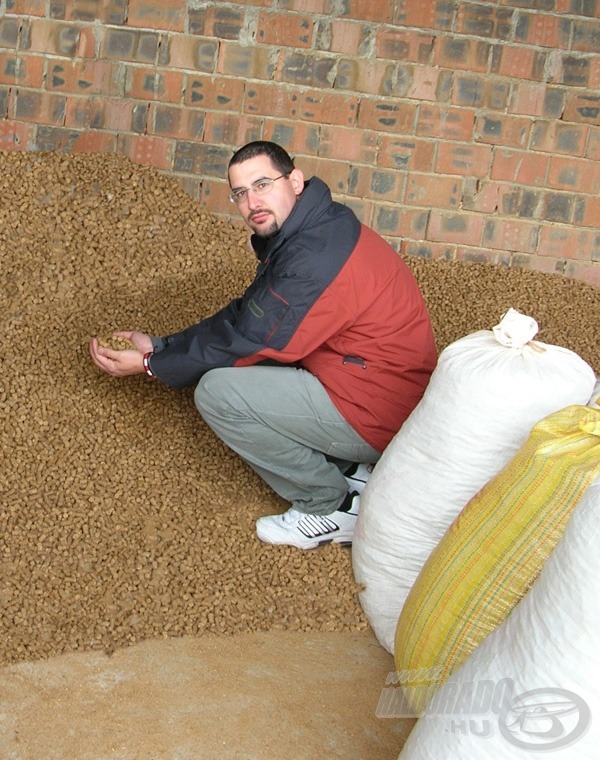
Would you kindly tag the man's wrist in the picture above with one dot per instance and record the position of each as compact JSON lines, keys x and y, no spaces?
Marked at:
{"x":146,"y":361}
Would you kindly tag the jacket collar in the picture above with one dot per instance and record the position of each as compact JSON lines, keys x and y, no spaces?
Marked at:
{"x":312,"y":202}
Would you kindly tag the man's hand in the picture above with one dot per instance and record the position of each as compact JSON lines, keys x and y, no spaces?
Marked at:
{"x":122,"y":363}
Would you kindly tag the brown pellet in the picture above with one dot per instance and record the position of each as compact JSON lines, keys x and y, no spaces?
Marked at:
{"x":122,"y":517}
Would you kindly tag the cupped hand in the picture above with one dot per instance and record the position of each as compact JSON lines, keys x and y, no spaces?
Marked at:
{"x":119,"y":363}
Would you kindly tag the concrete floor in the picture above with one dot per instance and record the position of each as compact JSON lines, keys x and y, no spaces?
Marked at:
{"x":263,"y":696}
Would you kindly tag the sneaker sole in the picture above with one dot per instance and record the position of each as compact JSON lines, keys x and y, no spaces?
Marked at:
{"x":342,"y":540}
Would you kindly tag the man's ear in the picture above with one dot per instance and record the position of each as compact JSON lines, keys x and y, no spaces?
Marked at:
{"x":297,"y":180}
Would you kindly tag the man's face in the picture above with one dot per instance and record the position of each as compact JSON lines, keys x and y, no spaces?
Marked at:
{"x":265,"y":214}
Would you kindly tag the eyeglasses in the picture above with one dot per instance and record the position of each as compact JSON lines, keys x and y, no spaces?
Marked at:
{"x":260,"y":187}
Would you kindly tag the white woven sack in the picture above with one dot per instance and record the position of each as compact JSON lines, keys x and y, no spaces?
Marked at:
{"x":485,"y":395}
{"x":549,"y":645}
{"x":595,"y":397}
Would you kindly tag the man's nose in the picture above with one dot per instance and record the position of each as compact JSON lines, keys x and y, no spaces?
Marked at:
{"x":253,"y":199}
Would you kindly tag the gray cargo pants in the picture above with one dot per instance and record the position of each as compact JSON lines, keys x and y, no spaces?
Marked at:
{"x":282,"y":422}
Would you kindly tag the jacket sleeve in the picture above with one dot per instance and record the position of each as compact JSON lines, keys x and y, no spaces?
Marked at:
{"x":282,"y":318}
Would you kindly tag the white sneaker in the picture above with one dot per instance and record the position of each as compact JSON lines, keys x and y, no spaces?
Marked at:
{"x":306,"y":531}
{"x":358,"y":479}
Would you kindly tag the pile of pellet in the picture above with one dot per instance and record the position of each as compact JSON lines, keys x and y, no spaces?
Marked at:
{"x":122,"y":517}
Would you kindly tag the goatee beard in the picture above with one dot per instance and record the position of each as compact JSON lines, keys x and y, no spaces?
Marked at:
{"x":268,"y":233}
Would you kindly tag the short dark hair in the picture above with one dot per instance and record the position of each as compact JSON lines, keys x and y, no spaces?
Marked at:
{"x":280,"y":158}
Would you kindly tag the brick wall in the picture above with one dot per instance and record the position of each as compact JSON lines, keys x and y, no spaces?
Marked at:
{"x":456,"y":129}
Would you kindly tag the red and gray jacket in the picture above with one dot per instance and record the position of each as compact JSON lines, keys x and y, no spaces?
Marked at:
{"x":330,"y":296}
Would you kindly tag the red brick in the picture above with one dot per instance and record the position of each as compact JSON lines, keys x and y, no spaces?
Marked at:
{"x":593,"y":147}
{"x":289,"y":29}
{"x":404,"y":45}
{"x":576,"y":175}
{"x":511,"y":235}
{"x":370,"y":77}
{"x":246,"y":62}
{"x":399,"y":221}
{"x":123,"y":115}
{"x":459,"y":228}
{"x":474,"y":91}
{"x":524,"y":168}
{"x":585,"y":271}
{"x":39,"y":107}
{"x":534,"y":99}
{"x":559,"y":137}
{"x":16,"y":135}
{"x":363,"y":208}
{"x":153,"y":84}
{"x":214,"y":194}
{"x":586,"y":36}
{"x":574,"y":70}
{"x":231,"y":129}
{"x":482,"y":256}
{"x":542,"y":30}
{"x":169,"y":15}
{"x":9,"y":32}
{"x":334,"y":173}
{"x":387,"y":116}
{"x":260,"y":3}
{"x":498,"y":129}
{"x":485,"y":197}
{"x":518,"y":62}
{"x":406,"y":153}
{"x":222,"y":22}
{"x":294,"y":136}
{"x":538,"y":263}
{"x":462,"y":53}
{"x":446,"y":122}
{"x":327,"y":108}
{"x":477,"y":20}
{"x":467,"y":160}
{"x":348,"y":144}
{"x":219,"y":93}
{"x":27,"y":7}
{"x":28,"y":71}
{"x":427,"y":250}
{"x":201,"y":158}
{"x":272,"y":100}
{"x":95,"y":142}
{"x":374,"y":10}
{"x":150,"y":151}
{"x":85,"y":112}
{"x":84,"y":77}
{"x":586,"y":9}
{"x":590,"y":211}
{"x":177,"y":122}
{"x":560,"y":241}
{"x":109,"y":11}
{"x":306,"y":69}
{"x":66,"y":40}
{"x":429,"y":83}
{"x":378,"y":184}
{"x":433,"y":190}
{"x":594,"y":76}
{"x":583,"y":107}
{"x":424,"y":15}
{"x":193,"y":53}
{"x":343,"y":36}
{"x":319,"y":7}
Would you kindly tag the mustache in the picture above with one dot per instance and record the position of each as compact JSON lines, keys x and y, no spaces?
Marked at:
{"x":259,"y":211}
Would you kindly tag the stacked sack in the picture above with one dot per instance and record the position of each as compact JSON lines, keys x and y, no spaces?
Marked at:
{"x":487,"y":392}
{"x":546,"y":656}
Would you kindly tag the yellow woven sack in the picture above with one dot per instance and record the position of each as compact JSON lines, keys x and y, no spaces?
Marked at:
{"x":494,"y":550}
